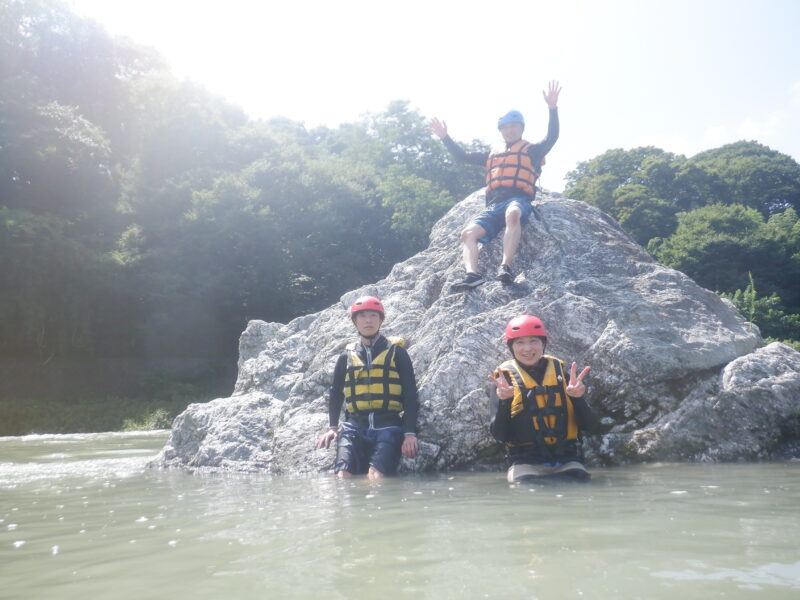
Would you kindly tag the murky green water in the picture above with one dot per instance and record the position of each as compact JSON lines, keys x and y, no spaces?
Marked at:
{"x":81,"y":517}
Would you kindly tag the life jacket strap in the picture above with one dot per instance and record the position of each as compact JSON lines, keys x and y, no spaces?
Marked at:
{"x":351,"y":371}
{"x":388,"y":363}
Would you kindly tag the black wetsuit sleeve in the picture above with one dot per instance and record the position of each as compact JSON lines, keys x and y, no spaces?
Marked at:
{"x":408,"y":383}
{"x":539,"y":150}
{"x":499,"y":426}
{"x":474,"y":158}
{"x":584,"y":415}
{"x":336,"y":395}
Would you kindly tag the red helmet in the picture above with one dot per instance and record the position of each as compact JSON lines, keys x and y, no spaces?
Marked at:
{"x":367,"y":303}
{"x":525,"y":325}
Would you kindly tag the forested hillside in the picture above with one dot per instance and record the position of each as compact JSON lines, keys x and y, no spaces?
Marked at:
{"x":142,"y":216}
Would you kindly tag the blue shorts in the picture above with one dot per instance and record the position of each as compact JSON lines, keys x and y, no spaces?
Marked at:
{"x":493,"y":219}
{"x":359,"y":447}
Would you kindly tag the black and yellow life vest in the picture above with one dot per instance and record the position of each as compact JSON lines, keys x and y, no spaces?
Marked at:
{"x":513,"y":168}
{"x":544,"y":405}
{"x":373,"y":387}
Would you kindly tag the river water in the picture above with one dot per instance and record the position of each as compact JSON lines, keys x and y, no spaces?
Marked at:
{"x":81,"y":517}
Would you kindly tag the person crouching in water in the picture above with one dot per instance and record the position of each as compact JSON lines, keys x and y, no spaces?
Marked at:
{"x":541,"y":412}
{"x":375,"y":380}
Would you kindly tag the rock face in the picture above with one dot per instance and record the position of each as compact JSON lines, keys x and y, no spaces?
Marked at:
{"x":677,"y":374}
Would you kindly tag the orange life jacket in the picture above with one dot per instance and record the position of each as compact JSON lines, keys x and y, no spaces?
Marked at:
{"x":513,"y":169}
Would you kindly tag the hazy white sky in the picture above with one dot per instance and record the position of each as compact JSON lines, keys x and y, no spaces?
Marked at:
{"x":683,"y":75}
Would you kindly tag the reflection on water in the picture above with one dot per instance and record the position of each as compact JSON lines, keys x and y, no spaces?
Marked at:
{"x":81,"y":517}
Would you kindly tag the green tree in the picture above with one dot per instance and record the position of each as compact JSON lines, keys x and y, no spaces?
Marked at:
{"x":614,"y":168}
{"x":636,"y":187}
{"x":767,"y":312}
{"x":400,"y":136}
{"x":641,"y":215}
{"x":415,"y":203}
{"x":59,"y":297}
{"x":53,"y":161}
{"x":695,"y":186}
{"x":784,"y":230}
{"x":718,"y":245}
{"x":755,"y":175}
{"x":745,"y":173}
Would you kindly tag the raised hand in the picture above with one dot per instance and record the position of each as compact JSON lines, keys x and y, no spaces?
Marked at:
{"x":576,"y":388}
{"x":504,"y":389}
{"x":551,"y":96}
{"x":439,"y":128}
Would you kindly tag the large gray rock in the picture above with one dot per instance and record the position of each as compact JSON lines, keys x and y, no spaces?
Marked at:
{"x":746,"y":412}
{"x":676,"y":373}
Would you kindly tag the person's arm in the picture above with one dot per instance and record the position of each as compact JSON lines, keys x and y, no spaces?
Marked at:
{"x":439,"y":128}
{"x":473,"y":158}
{"x":336,"y":394}
{"x":499,"y":425}
{"x":335,"y":401}
{"x":505,"y":394}
{"x":408,"y":383}
{"x":584,"y":415}
{"x":538,"y":151}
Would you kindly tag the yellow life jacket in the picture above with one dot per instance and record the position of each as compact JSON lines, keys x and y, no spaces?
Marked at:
{"x":374,"y":387}
{"x":513,"y":169}
{"x":545,"y":403}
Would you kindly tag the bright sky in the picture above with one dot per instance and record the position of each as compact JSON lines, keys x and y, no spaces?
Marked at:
{"x":682,"y":75}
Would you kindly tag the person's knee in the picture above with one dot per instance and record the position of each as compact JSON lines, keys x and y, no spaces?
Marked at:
{"x":513,"y":216}
{"x":468,"y":235}
{"x":344,"y":474}
{"x":473,"y":234}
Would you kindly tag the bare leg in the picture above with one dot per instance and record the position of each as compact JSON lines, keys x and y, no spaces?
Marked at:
{"x":374,"y":473}
{"x":513,"y":233}
{"x":344,"y":474}
{"x":469,"y":238}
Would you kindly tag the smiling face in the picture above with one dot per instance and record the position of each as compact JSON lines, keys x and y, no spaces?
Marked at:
{"x":512,"y":132}
{"x":368,"y":322}
{"x":528,"y":350}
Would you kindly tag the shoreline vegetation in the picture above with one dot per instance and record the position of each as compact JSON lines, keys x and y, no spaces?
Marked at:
{"x":102,"y":413}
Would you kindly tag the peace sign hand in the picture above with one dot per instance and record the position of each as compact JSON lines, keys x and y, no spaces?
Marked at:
{"x":576,"y":388}
{"x":504,"y":389}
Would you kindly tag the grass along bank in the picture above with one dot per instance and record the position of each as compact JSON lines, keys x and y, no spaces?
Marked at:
{"x":91,"y":415}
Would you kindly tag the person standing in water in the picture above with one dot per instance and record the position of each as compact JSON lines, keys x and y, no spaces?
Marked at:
{"x":374,"y":379}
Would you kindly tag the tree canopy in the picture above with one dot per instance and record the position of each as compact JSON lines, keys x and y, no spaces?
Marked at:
{"x":143,"y":215}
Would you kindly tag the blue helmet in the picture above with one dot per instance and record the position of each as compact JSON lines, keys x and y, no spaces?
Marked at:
{"x":512,"y":116}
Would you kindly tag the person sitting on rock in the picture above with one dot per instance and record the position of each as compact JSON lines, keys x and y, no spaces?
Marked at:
{"x":541,"y":411}
{"x":511,"y":177}
{"x":374,"y":378}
